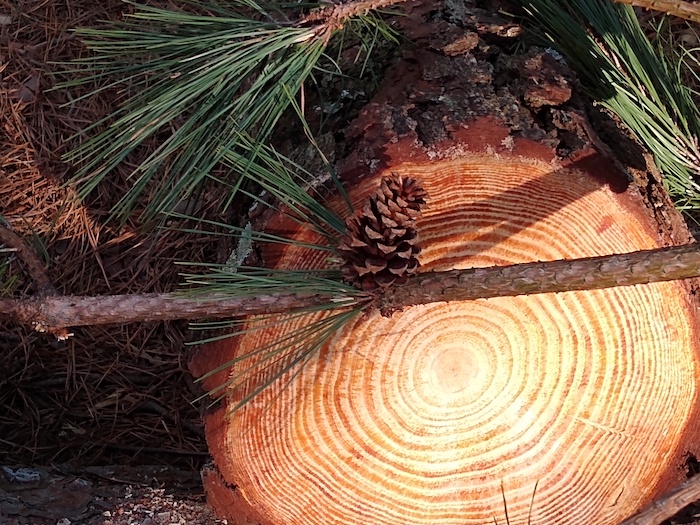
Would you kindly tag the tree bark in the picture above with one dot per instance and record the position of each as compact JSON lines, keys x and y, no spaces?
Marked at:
{"x":669,"y":505}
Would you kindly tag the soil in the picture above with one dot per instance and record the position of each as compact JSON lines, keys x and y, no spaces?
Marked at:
{"x":65,"y":495}
{"x":113,"y":395}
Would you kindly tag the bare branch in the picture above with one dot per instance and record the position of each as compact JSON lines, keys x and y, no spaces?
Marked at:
{"x":591,"y":273}
{"x":47,"y":314}
{"x":661,"y":264}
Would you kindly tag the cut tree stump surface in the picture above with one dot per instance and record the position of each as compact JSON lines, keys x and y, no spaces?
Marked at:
{"x":587,"y":394}
{"x":572,"y":408}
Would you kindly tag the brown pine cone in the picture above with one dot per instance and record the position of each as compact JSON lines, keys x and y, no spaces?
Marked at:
{"x":380,"y":247}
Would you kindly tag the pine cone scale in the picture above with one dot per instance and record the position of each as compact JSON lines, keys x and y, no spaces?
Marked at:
{"x":380,"y":247}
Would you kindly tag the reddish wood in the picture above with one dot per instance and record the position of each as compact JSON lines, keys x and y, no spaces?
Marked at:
{"x":362,"y":435}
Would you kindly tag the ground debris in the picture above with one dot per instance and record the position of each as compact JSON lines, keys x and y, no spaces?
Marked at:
{"x":66,"y":495}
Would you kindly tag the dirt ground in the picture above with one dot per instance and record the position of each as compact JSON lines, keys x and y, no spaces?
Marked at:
{"x":111,"y":395}
{"x":115,"y":394}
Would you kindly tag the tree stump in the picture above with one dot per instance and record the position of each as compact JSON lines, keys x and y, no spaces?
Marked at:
{"x":564,"y":408}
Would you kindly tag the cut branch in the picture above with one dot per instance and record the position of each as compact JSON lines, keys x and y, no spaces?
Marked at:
{"x":47,"y":314}
{"x":590,"y":273}
{"x":642,"y":267}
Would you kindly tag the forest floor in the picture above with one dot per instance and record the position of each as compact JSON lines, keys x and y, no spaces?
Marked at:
{"x":112,"y":395}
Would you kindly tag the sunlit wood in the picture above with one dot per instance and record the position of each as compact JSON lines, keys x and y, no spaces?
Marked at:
{"x":437,"y":414}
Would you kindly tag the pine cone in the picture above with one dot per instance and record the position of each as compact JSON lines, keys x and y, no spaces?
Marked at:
{"x":380,"y":247}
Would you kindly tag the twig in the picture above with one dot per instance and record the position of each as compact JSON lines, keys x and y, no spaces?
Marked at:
{"x":48,"y":314}
{"x":668,"y":505}
{"x":333,"y":17}
{"x":592,"y":273}
{"x":35,"y":268}
{"x":677,"y":8}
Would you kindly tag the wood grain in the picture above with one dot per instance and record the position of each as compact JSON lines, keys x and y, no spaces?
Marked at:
{"x":435,"y":415}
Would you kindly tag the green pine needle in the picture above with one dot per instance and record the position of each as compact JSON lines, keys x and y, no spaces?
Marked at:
{"x":370,"y":30}
{"x":622,"y":70}
{"x":238,"y":232}
{"x":271,"y":362}
{"x":203,"y":79}
{"x":251,"y":282}
{"x":8,"y":281}
{"x":293,"y":358}
{"x":214,"y":85}
{"x":306,"y":204}
{"x":288,"y":352}
{"x":289,"y":183}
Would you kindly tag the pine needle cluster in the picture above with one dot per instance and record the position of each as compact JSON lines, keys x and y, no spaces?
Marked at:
{"x":623,"y":71}
{"x":199,"y":80}
{"x":208,"y":83}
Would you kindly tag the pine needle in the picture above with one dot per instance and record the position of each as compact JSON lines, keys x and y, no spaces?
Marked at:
{"x":250,"y":282}
{"x":289,"y":183}
{"x":271,"y":362}
{"x":204,"y":77}
{"x":215,"y":85}
{"x":222,"y":229}
{"x":622,"y":70}
{"x":8,"y":281}
{"x":370,"y":29}
{"x":288,"y":351}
